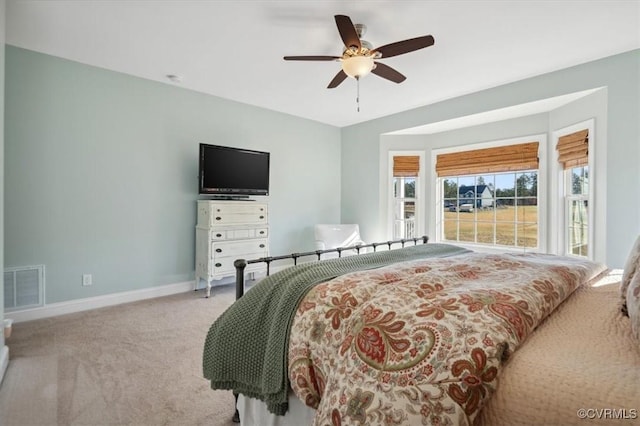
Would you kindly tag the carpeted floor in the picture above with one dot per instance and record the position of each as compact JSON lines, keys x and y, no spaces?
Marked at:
{"x":133,"y":364}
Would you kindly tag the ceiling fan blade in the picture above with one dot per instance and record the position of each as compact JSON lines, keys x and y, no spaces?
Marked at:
{"x":405,"y":46}
{"x":311,"y":58}
{"x":348,"y":32}
{"x":385,"y":71}
{"x":339,"y":78}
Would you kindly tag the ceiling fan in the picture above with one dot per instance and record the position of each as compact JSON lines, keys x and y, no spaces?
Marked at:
{"x":359,"y":58}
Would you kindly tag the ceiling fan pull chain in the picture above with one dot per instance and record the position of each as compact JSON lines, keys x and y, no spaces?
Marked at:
{"x":358,"y":93}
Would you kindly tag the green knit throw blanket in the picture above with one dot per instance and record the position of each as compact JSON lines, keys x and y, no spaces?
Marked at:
{"x":246,"y":347}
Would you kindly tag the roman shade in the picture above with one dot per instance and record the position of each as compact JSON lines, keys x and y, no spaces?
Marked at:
{"x":406,"y":166}
{"x":573,"y":149}
{"x":506,"y":158}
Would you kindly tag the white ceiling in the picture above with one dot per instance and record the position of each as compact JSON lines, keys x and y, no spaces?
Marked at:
{"x":234,"y":49}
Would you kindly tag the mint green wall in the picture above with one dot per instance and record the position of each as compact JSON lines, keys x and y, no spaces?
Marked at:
{"x":100,"y":167}
{"x":101,"y":174}
{"x":620,"y":74}
{"x":2,"y":36}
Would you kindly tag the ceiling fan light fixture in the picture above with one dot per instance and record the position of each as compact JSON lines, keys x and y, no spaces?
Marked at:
{"x":359,"y":57}
{"x":357,"y":66}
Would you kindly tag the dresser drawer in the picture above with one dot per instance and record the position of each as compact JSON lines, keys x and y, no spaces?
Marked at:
{"x":224,"y":254}
{"x":220,"y":219}
{"x":242,"y":248}
{"x":261,"y":232}
{"x":224,"y":267}
{"x":238,"y":233}
{"x":219,"y":214}
{"x":244,"y":207}
{"x":219,"y":234}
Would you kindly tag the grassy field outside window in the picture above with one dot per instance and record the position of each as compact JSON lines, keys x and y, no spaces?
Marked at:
{"x":508,"y":226}
{"x":499,"y":209}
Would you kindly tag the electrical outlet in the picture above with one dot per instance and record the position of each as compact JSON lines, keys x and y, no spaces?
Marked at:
{"x":87,"y":279}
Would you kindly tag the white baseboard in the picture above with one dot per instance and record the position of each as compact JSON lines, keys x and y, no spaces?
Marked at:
{"x":78,"y":305}
{"x":4,"y":361}
{"x":86,"y":304}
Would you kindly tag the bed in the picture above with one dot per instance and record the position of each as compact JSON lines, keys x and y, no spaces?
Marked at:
{"x":428,"y":334}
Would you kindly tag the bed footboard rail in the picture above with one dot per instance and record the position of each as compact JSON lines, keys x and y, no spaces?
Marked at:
{"x":241,"y":264}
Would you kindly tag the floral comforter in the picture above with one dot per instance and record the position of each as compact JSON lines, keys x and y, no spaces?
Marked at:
{"x":421,"y":342}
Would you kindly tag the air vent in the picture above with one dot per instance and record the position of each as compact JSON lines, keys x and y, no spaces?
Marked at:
{"x":23,"y":287}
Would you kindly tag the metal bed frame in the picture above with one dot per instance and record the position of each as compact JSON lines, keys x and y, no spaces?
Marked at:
{"x":241,"y":264}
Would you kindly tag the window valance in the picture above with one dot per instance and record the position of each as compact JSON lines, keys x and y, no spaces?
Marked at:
{"x":506,"y":158}
{"x":573,"y":149}
{"x":406,"y":166}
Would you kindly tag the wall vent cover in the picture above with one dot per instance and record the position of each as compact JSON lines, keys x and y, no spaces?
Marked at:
{"x":23,"y":287}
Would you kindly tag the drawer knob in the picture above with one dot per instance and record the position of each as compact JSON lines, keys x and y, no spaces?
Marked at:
{"x":261,"y":217}
{"x":218,"y":235}
{"x":218,"y":265}
{"x":218,"y":250}
{"x":261,"y":245}
{"x":218,"y":218}
{"x":261,"y":232}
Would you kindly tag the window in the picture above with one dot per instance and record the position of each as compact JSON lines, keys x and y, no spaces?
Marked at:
{"x":490,"y":196}
{"x":577,"y":214}
{"x":499,"y":209}
{"x":404,"y":211}
{"x":573,"y":156}
{"x":405,"y":179}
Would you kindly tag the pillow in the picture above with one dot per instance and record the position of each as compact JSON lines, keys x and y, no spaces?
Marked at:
{"x":629,"y":271}
{"x":633,"y":304}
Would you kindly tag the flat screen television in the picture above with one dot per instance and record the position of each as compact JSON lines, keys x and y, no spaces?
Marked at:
{"x":233,"y":172}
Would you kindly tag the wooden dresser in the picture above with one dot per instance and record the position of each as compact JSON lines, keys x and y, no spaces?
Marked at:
{"x":226,"y":231}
